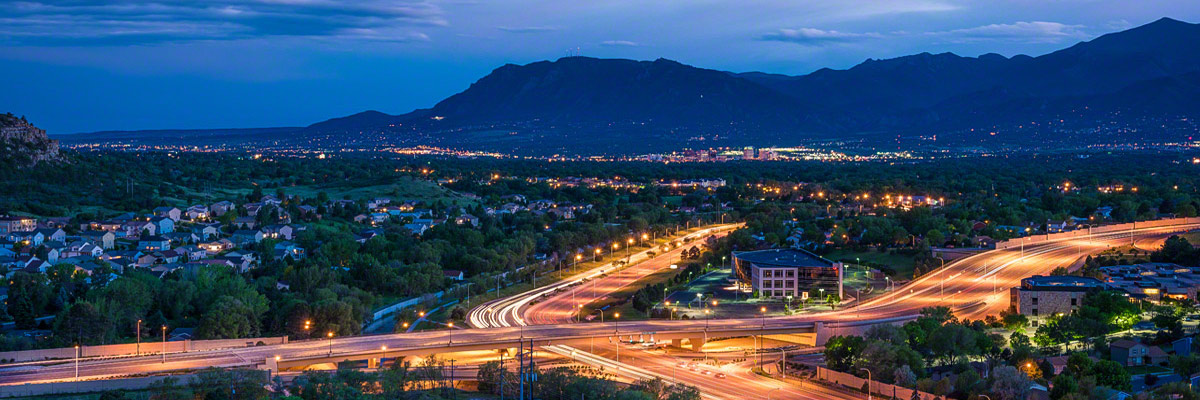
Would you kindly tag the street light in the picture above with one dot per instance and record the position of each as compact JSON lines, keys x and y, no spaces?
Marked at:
{"x":330,"y":336}
{"x":138,"y":349}
{"x":761,"y":335}
{"x":868,"y":383}
{"x":76,"y":362}
{"x":164,"y":349}
{"x":450,"y":326}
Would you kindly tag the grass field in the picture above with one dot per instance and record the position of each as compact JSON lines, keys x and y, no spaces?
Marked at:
{"x":903,"y":264}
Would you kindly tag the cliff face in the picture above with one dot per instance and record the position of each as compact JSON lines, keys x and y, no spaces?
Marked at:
{"x":24,"y":145}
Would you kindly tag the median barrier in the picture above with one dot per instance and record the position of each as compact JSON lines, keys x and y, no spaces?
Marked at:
{"x":130,"y":349}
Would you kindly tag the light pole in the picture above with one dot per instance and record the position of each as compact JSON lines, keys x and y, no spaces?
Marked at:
{"x":76,"y":362}
{"x":330,"y":336}
{"x":164,"y":349}
{"x":761,"y":334}
{"x":576,"y":264}
{"x":138,"y":349}
{"x":617,"y":330}
{"x":868,"y":383}
{"x":450,"y":327}
{"x":597,"y":256}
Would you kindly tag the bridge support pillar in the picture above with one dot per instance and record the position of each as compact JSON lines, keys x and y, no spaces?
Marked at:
{"x":697,"y":343}
{"x":822,"y":333}
{"x":677,"y":343}
{"x":372,"y":363}
{"x":272,"y":365}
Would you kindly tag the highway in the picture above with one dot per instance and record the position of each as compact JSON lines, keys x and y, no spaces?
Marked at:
{"x":974,"y":286}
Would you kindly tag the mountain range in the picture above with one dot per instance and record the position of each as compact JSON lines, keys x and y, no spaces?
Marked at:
{"x":589,"y":105}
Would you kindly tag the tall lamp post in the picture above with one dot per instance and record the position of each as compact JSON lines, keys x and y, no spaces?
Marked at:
{"x":138,"y":349}
{"x":330,"y":336}
{"x":76,"y":362}
{"x":450,"y":327}
{"x":762,"y":334}
{"x":164,"y":349}
{"x":868,"y":383}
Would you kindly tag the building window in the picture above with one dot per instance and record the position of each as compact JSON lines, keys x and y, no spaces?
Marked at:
{"x":1034,"y":323}
{"x":791,"y":273}
{"x":1033,"y":300}
{"x":1074,"y":301}
{"x":1034,"y":312}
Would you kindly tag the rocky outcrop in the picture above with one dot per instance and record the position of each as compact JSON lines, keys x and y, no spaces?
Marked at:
{"x":24,"y":145}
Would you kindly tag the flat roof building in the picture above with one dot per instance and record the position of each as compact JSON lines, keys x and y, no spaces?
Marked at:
{"x":780,"y":273}
{"x":1154,"y":281}
{"x":1040,"y":297}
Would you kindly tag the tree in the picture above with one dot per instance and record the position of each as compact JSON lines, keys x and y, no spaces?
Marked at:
{"x":1110,"y":373}
{"x":884,"y":358}
{"x":1185,"y":365}
{"x":228,"y":318}
{"x":832,"y":300}
{"x":842,"y":351}
{"x":84,"y":323}
{"x":1009,"y":384}
{"x":904,"y":376}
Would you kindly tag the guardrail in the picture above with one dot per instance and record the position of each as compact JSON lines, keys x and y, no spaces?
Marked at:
{"x":1099,"y":230}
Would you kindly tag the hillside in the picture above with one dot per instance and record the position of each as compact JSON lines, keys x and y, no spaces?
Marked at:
{"x":22,"y":144}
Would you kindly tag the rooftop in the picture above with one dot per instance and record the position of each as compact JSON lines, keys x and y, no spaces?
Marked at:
{"x":1060,"y":282}
{"x":782,"y":258}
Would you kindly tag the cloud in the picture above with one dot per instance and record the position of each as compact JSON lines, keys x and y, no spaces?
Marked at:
{"x":619,"y":43}
{"x":816,"y":37}
{"x":527,"y":29}
{"x":1028,"y":32}
{"x":108,"y":22}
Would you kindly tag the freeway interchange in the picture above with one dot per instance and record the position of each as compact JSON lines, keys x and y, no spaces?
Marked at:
{"x":974,"y":287}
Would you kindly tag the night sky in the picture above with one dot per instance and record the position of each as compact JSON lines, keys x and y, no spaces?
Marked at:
{"x":79,"y":65}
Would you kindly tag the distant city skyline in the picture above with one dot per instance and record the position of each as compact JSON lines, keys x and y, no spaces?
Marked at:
{"x":132,"y":64}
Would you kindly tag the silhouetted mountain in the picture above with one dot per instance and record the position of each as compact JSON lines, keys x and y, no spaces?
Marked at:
{"x":581,"y":105}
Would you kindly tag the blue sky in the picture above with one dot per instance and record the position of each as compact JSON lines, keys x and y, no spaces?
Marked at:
{"x":84,"y":65}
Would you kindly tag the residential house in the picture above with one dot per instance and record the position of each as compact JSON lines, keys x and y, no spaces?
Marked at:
{"x":1131,"y":353}
{"x":105,"y":239}
{"x":417,"y":229}
{"x":9,"y":224}
{"x":168,"y":212}
{"x":53,"y":250}
{"x":217,"y":246}
{"x":288,"y":249}
{"x":246,"y":236}
{"x":163,"y":225}
{"x":182,"y":237}
{"x":220,"y":208}
{"x":251,"y":209}
{"x":27,"y":238}
{"x":308,"y":211}
{"x":562,"y":212}
{"x":137,"y":228}
{"x":245,"y":223}
{"x":207,"y":231}
{"x":153,"y":243}
{"x":453,"y":274}
{"x":278,"y":231}
{"x":197,"y":212}
{"x":80,"y":248}
{"x":192,"y":252}
{"x":53,"y":234}
{"x":467,"y":219}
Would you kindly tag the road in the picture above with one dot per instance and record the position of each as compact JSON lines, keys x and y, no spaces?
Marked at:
{"x":975,"y":286}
